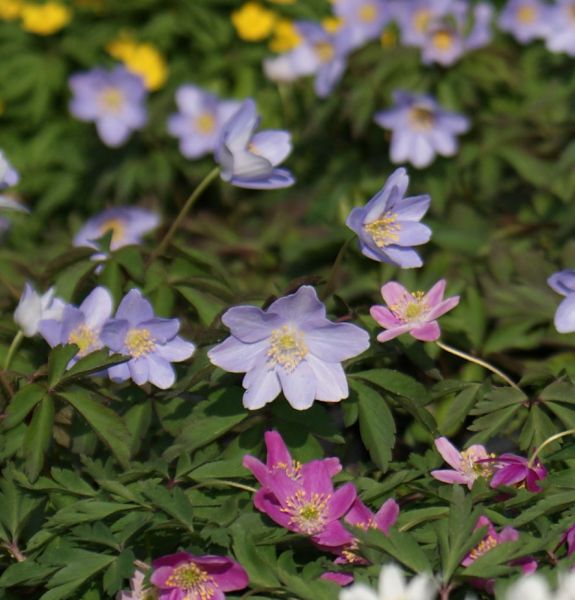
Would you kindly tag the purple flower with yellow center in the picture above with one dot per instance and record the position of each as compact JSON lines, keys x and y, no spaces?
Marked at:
{"x":8,"y":174}
{"x":468,"y":465}
{"x":128,"y":224}
{"x":248,"y":159}
{"x":310,"y":505}
{"x":183,"y":576}
{"x":414,"y":313}
{"x":80,"y":325}
{"x":414,"y":17}
{"x":114,"y":100}
{"x":152,"y":342}
{"x":388,"y":225}
{"x":421,"y":129}
{"x":526,"y":20}
{"x":363,"y":20}
{"x":512,"y":470}
{"x":491,"y":540}
{"x":563,"y":283}
{"x":291,"y":346}
{"x":200,"y":120}
{"x":560,"y":35}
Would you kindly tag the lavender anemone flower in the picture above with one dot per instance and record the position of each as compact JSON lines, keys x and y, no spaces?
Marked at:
{"x":413,"y":313}
{"x":183,"y":576}
{"x":8,"y":174}
{"x":388,"y":225}
{"x":152,"y":343}
{"x":526,"y":20}
{"x":34,"y":308}
{"x":80,"y":325}
{"x":114,"y":100}
{"x":416,"y":16}
{"x":291,"y":346}
{"x":512,"y":470}
{"x":128,"y":225}
{"x":421,"y":129}
{"x":560,"y":35}
{"x":200,"y":120}
{"x":310,"y":505}
{"x":467,"y":465}
{"x":363,"y":20}
{"x":563,"y":283}
{"x":249,"y":159}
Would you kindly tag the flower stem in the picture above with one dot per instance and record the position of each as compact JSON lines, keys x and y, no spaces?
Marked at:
{"x":225,"y":482}
{"x":331,"y":282}
{"x":182,"y":214}
{"x":13,"y":348}
{"x":548,"y":441}
{"x":479,"y":362}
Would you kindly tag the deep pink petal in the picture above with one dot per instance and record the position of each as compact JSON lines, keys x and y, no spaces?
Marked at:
{"x":443,"y":307}
{"x":257,"y":467}
{"x":341,"y":501}
{"x":508,"y":534}
{"x":267,"y":503}
{"x":385,"y":336}
{"x":386,"y":516}
{"x":334,"y":534}
{"x":358,"y":514}
{"x":277,"y":450}
{"x":338,"y":578}
{"x":508,"y":476}
{"x":447,"y":476}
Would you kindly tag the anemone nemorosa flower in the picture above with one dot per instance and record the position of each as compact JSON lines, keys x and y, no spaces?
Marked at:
{"x":416,"y":16}
{"x":200,"y":120}
{"x":414,"y":313}
{"x":128,"y":225}
{"x":80,"y":325}
{"x":560,"y":36}
{"x":152,"y":342}
{"x":491,"y":539}
{"x":8,"y":174}
{"x":34,"y":308}
{"x":114,"y":100}
{"x":363,"y":20}
{"x":468,"y":465}
{"x":512,"y":470}
{"x":388,"y":225}
{"x":420,"y":129}
{"x":290,"y":346}
{"x":249,"y":159}
{"x":563,"y":283}
{"x":526,"y":20}
{"x":183,"y":576}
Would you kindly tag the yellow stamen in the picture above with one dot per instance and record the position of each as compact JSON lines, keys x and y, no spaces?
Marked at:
{"x":324,"y":51}
{"x":384,"y":231}
{"x":421,"y":118}
{"x":139,"y":342}
{"x":85,"y":338}
{"x":112,"y":99}
{"x":194,"y":580}
{"x":443,"y":39}
{"x":307,"y":515}
{"x":293,"y":471}
{"x":486,"y":544}
{"x":421,"y":20}
{"x":526,"y":14}
{"x":287,"y":348}
{"x":368,"y":13}
{"x":118,"y":229}
{"x":411,"y":307}
{"x":471,"y":467}
{"x":205,"y":123}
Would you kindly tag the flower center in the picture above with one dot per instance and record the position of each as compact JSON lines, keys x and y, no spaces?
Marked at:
{"x":85,"y":338}
{"x":287,"y":348}
{"x":112,"y":100}
{"x":368,"y":13}
{"x":486,"y":544}
{"x":421,"y":20}
{"x":384,"y":231}
{"x":472,"y":468}
{"x":324,"y":51}
{"x":118,"y":229}
{"x":443,"y":39}
{"x":139,"y":342}
{"x":421,"y":118}
{"x":205,"y":123}
{"x":411,"y":308}
{"x":526,"y":14}
{"x":194,"y":580}
{"x":307,"y":515}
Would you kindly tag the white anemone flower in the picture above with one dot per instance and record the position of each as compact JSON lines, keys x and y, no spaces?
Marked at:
{"x":34,"y":307}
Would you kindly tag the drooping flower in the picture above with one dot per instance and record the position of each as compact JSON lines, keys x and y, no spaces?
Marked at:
{"x":421,"y":129}
{"x":138,"y":589}
{"x":560,"y":35}
{"x":200,"y":120}
{"x":491,"y":539}
{"x":388,"y":225}
{"x":142,"y":59}
{"x":34,"y":307}
{"x":468,"y":465}
{"x":364,"y":19}
{"x":114,"y":100}
{"x":308,"y":505}
{"x":152,"y":342}
{"x":512,"y":470}
{"x":183,"y":576}
{"x":291,"y":346}
{"x":80,"y":325}
{"x":8,"y":174}
{"x":526,"y":20}
{"x":392,"y":586}
{"x":45,"y":19}
{"x":249,"y":159}
{"x":414,"y":313}
{"x":253,"y":22}
{"x":569,"y":538}
{"x":563,"y":283}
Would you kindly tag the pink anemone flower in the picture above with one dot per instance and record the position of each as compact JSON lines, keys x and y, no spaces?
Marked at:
{"x":513,"y":470}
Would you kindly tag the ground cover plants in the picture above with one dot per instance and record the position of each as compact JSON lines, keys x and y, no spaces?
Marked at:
{"x":287,"y":299}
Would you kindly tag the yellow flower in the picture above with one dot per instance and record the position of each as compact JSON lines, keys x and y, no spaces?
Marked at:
{"x":143,"y":59}
{"x":332,"y":24}
{"x":45,"y":19}
{"x":253,"y":22}
{"x":10,"y":9}
{"x":285,"y":37}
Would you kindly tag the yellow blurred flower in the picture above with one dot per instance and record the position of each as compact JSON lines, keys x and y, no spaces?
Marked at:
{"x":253,"y":22}
{"x":45,"y":19}
{"x":10,"y":9}
{"x":332,"y":24}
{"x":143,"y":59}
{"x":285,"y":36}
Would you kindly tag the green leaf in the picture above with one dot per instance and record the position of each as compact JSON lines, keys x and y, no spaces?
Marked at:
{"x":96,"y":361}
{"x":22,"y":403}
{"x":257,"y":561}
{"x":58,"y":361}
{"x":397,"y":383}
{"x":38,"y":436}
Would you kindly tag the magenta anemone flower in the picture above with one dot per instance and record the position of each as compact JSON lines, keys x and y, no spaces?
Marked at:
{"x":341,"y":579}
{"x":513,"y":470}
{"x":468,"y":465}
{"x":491,"y":539}
{"x":310,"y":505}
{"x":414,"y":313}
{"x":569,"y":538}
{"x":279,"y":459}
{"x":183,"y":576}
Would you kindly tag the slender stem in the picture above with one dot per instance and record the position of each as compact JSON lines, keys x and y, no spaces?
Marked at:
{"x":225,"y":482}
{"x":479,"y":362}
{"x":14,"y":551}
{"x":182,"y":214}
{"x":331,"y":282}
{"x":13,"y":348}
{"x":141,"y":565}
{"x":548,"y":441}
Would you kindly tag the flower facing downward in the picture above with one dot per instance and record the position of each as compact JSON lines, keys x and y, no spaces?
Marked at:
{"x":152,"y":343}
{"x":468,"y":465}
{"x":249,"y":159}
{"x":414,"y":313}
{"x":563,"y":283}
{"x":183,"y":576}
{"x":34,"y":307}
{"x":388,"y":225}
{"x":513,"y":470}
{"x":491,"y":539}
{"x":291,"y":346}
